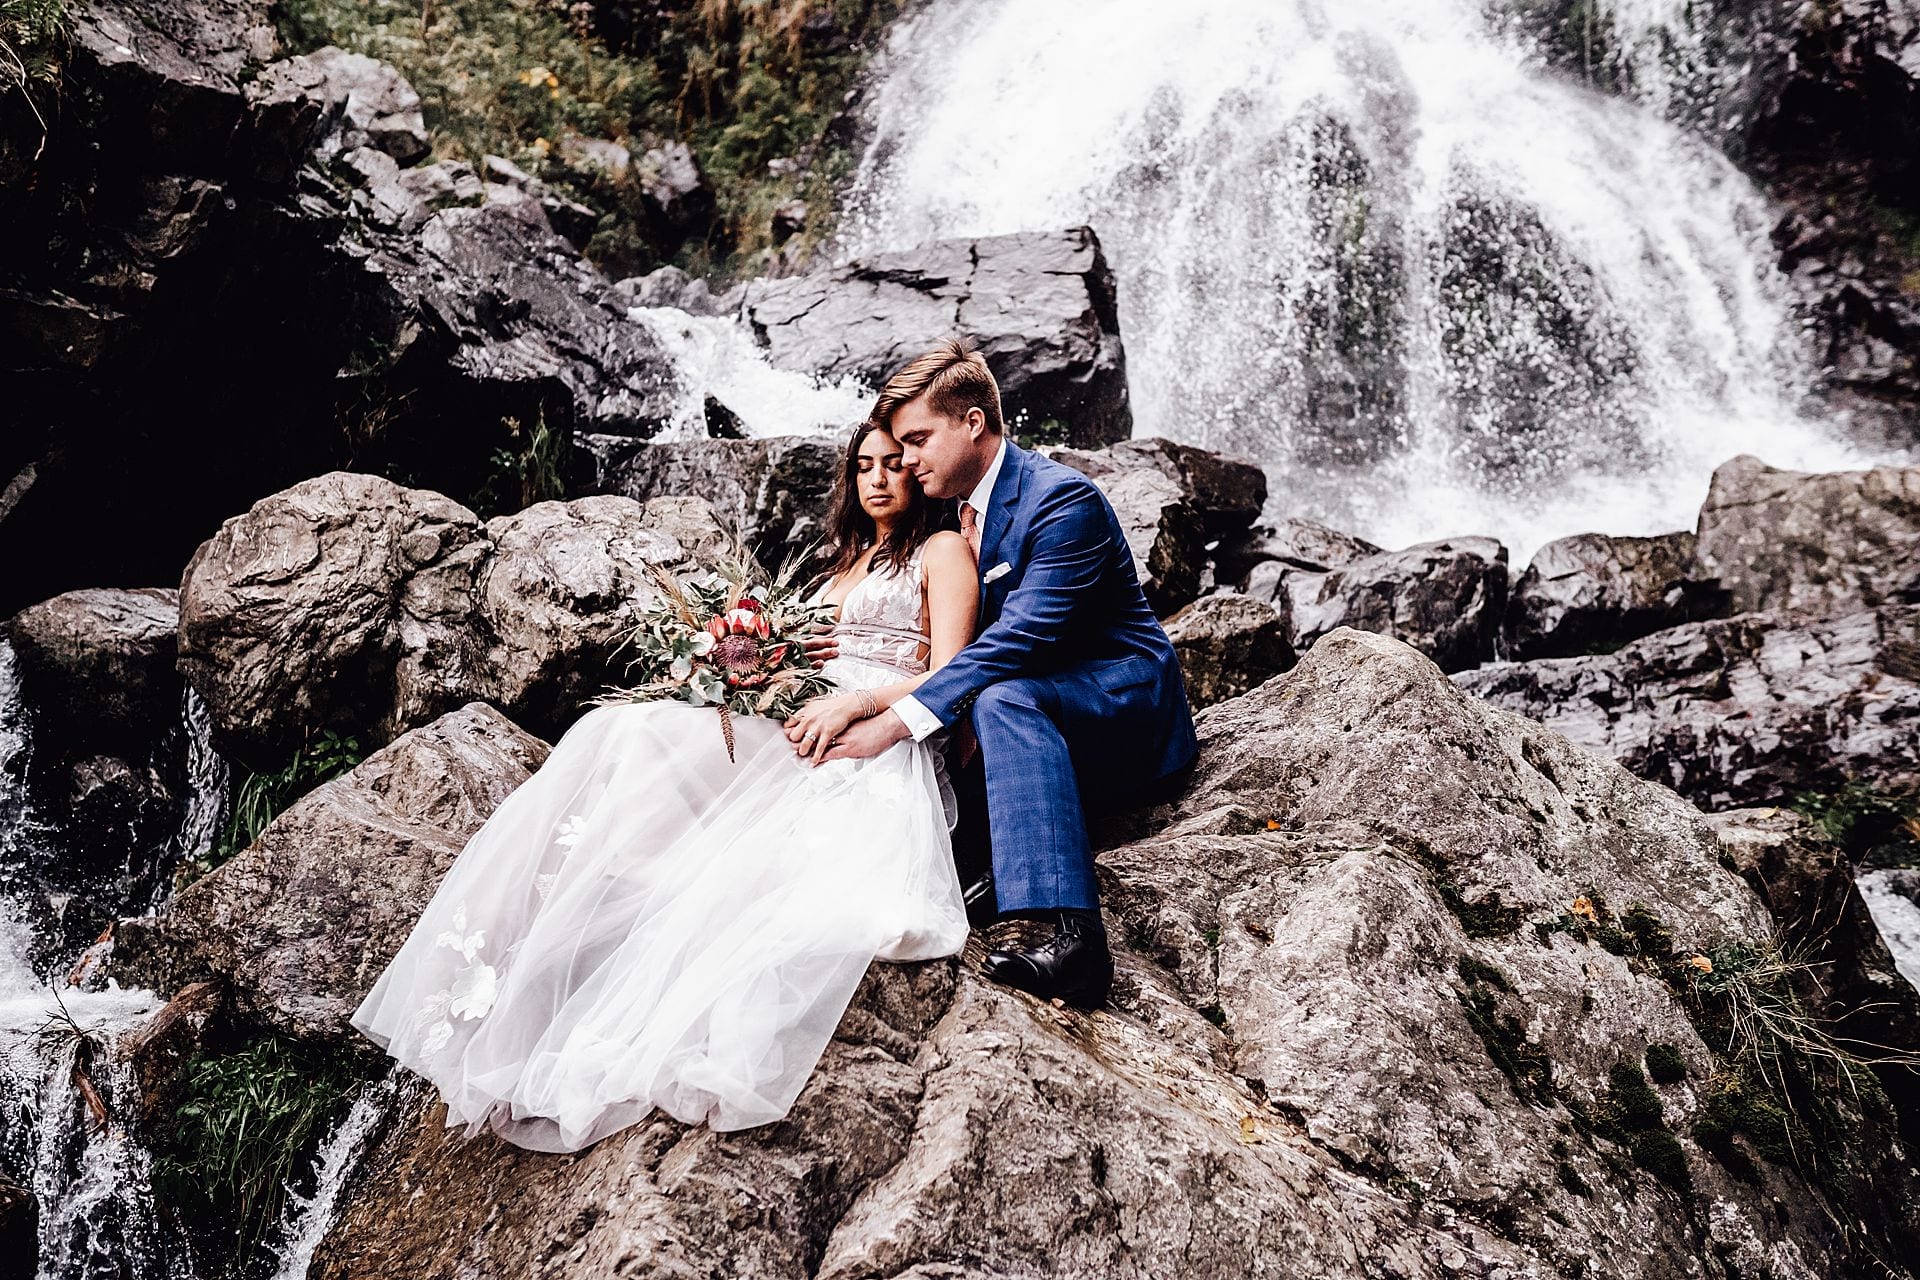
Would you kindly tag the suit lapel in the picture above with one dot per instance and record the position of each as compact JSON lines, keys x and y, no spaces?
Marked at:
{"x":1001,"y":504}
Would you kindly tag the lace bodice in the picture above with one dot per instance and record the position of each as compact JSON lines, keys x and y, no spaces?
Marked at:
{"x":880,"y":620}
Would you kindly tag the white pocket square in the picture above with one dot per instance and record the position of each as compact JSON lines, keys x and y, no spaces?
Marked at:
{"x":998,"y":571}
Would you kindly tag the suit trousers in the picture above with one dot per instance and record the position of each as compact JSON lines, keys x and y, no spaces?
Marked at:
{"x":1051,"y":745}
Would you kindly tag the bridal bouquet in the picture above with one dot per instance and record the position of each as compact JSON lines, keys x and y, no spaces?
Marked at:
{"x":727,"y":637}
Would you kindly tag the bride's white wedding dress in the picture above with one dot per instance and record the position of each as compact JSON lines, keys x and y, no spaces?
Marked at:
{"x":644,"y":924}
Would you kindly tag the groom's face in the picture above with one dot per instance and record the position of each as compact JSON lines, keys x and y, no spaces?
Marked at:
{"x":947,"y":455}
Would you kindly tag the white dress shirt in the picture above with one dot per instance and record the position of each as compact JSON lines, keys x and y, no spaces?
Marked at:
{"x":921,"y":722}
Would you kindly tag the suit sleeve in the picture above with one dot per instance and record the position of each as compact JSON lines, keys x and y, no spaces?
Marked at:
{"x":1072,"y":544}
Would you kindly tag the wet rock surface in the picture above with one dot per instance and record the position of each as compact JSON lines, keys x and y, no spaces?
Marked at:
{"x":1739,"y":711}
{"x":1592,"y":593}
{"x":1040,"y":305}
{"x":98,"y":664}
{"x":1228,"y":644}
{"x":1444,"y":598}
{"x":1824,"y":544}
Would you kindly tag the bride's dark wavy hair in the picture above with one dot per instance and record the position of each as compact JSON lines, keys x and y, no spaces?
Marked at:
{"x":850,"y":530}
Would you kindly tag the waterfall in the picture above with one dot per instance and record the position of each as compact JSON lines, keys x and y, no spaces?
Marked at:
{"x":90,"y":1180}
{"x":308,"y":1218}
{"x":208,"y":781}
{"x":717,"y":362}
{"x":1377,"y":245}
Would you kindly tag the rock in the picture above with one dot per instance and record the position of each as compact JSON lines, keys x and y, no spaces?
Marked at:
{"x":350,"y":603}
{"x":1328,"y":993}
{"x":789,"y":219}
{"x":1290,"y":546}
{"x":675,"y":194}
{"x":1592,"y":593}
{"x":341,"y":603}
{"x":161,"y":1049}
{"x":98,"y":666}
{"x":1823,"y":544}
{"x":380,"y":109}
{"x":672,"y":287}
{"x":1893,"y":895}
{"x":177,"y":220}
{"x":771,"y":492}
{"x":1227,"y":645}
{"x":299,"y":925}
{"x":1741,"y":711}
{"x":19,"y":1220}
{"x":1226,"y":493}
{"x":1040,"y":305}
{"x":509,"y":184}
{"x":1807,"y":882}
{"x":1444,"y":598}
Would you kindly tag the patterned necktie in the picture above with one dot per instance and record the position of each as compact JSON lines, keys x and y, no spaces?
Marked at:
{"x":970,"y":527}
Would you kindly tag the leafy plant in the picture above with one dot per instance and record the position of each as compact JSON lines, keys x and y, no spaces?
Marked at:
{"x":1874,"y":827}
{"x":246,"y":1122}
{"x":261,"y":797}
{"x":531,"y":471}
{"x":33,"y":39}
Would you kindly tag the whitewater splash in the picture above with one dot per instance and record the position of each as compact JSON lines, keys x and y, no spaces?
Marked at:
{"x":1374,"y":245}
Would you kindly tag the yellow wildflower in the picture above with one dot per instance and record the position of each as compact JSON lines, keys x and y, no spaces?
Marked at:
{"x":1583,"y":907}
{"x":1701,"y":963}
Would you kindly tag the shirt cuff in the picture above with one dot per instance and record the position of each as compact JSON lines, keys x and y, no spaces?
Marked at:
{"x":920,"y":722}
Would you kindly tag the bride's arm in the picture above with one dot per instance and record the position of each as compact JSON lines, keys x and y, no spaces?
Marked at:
{"x":953,"y":602}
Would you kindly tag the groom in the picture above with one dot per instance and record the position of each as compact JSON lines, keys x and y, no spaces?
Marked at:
{"x":1071,"y":687}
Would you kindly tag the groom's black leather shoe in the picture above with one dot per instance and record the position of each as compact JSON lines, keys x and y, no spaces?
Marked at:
{"x":1072,"y":965}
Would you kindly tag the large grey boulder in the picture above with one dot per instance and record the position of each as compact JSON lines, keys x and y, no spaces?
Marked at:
{"x":1741,"y":711}
{"x":298,"y":926}
{"x":1225,"y":492}
{"x":1444,"y":598}
{"x":771,"y":492}
{"x":1227,"y":644}
{"x":1591,"y":593}
{"x":1039,"y":304}
{"x":376,"y":105}
{"x":98,"y":665}
{"x":351,"y":603}
{"x":1816,"y":543}
{"x":1257,"y":560}
{"x":1358,"y":1017}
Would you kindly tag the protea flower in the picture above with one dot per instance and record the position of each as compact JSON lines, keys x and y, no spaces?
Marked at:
{"x":737,"y":656}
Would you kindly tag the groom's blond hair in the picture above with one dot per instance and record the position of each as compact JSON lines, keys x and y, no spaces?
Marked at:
{"x":953,"y":376}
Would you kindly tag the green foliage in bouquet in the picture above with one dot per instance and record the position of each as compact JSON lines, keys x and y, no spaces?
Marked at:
{"x":727,"y":637}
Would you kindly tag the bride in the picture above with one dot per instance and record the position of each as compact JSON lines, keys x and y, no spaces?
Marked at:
{"x":644,"y":924}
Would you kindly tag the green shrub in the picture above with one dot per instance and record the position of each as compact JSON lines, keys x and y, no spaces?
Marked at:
{"x":1665,"y":1064}
{"x":733,"y":79}
{"x":1874,"y":827}
{"x":248,"y":1122}
{"x":33,"y":46}
{"x":259,"y":798}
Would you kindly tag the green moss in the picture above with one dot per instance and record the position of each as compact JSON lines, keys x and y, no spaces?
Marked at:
{"x":1487,"y":918}
{"x":248,"y":1122}
{"x":1631,"y":1102}
{"x":1475,"y":970}
{"x":1660,"y":1153}
{"x":1526,"y":1065}
{"x":1651,"y":938}
{"x":1665,"y":1064}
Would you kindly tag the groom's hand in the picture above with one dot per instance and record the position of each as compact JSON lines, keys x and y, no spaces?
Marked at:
{"x":867,"y":738}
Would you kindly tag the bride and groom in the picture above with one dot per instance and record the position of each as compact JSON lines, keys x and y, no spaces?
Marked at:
{"x":645,"y":924}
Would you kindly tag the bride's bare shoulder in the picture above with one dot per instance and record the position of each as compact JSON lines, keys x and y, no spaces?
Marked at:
{"x":948,"y":546}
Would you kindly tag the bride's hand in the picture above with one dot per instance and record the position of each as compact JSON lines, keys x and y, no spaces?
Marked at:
{"x":813,"y":728}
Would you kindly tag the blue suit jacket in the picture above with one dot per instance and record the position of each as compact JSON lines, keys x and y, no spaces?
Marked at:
{"x":1069,"y":601}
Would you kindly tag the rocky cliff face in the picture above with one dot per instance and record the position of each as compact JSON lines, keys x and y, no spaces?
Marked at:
{"x":1364,"y":1025}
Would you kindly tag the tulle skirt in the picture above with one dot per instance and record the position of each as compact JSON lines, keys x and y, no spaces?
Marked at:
{"x":644,"y":924}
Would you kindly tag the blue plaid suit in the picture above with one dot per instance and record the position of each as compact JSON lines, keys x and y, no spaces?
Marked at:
{"x":1074,"y":689}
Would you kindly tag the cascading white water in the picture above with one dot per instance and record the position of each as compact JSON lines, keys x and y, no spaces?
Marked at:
{"x":716,"y":357}
{"x":1374,"y":245}
{"x":308,"y":1218}
{"x":90,"y":1180}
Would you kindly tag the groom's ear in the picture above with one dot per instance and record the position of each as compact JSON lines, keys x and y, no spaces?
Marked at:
{"x":976,"y":423}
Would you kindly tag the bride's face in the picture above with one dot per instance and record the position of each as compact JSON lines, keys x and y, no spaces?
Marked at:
{"x":886,"y":488}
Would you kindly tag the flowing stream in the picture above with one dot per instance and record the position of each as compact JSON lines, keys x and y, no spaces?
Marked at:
{"x":1433,"y":287}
